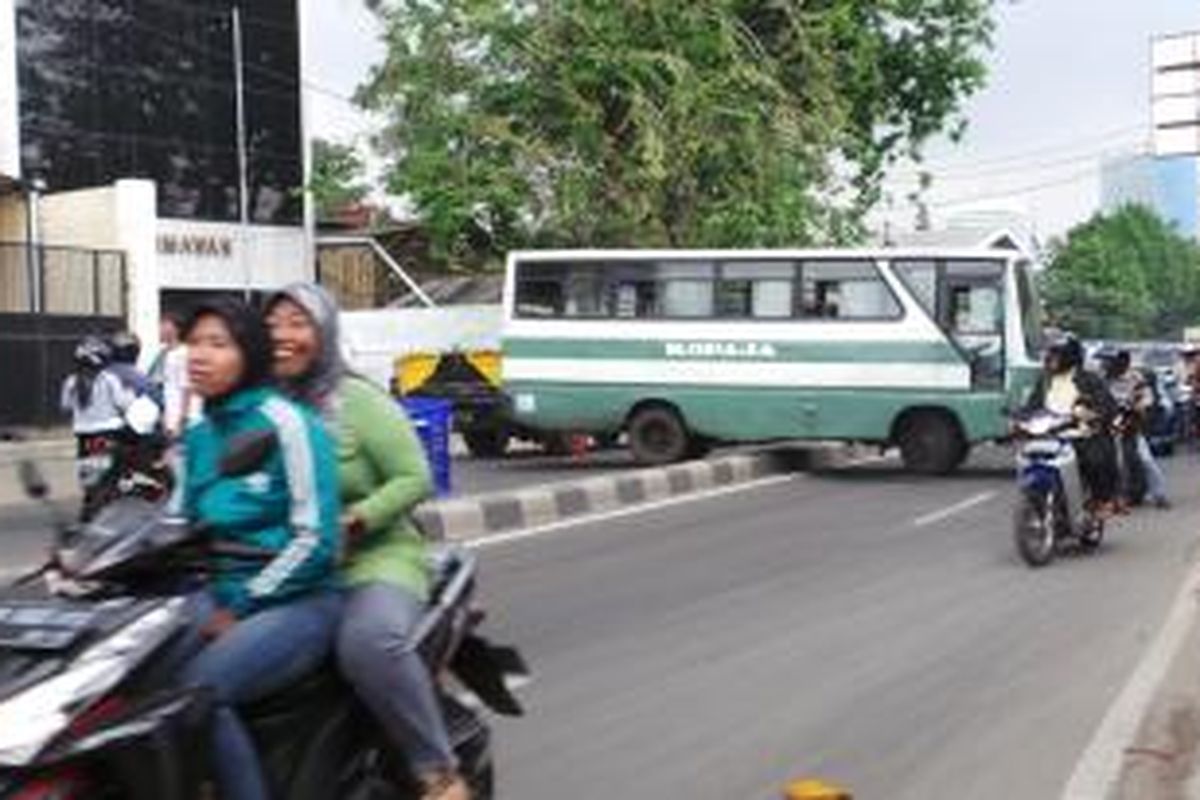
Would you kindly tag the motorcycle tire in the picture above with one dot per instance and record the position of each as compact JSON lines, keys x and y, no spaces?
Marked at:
{"x":1035,"y":527}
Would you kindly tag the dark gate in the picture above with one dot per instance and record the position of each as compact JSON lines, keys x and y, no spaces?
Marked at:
{"x":83,"y":292}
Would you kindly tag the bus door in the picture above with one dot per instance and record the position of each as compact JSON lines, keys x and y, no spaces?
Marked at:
{"x":966,"y":301}
{"x":973,"y":315}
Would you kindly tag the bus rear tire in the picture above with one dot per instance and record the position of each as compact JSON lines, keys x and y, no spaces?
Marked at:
{"x":931,"y":444}
{"x":657,"y":435}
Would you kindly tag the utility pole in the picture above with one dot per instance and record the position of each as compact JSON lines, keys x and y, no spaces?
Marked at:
{"x":243,"y":183}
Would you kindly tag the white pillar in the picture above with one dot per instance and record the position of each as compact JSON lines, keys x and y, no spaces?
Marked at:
{"x":10,"y":129}
{"x":136,"y":234}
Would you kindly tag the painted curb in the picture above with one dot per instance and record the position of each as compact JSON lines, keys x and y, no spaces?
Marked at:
{"x":467,"y":518}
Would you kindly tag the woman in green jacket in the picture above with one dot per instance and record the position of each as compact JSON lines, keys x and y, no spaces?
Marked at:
{"x":383,"y":475}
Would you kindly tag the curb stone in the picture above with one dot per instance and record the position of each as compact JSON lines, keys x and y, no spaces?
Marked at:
{"x":473,"y":517}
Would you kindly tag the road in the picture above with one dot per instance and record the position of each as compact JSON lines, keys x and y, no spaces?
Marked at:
{"x":862,"y":625}
{"x":865,"y":626}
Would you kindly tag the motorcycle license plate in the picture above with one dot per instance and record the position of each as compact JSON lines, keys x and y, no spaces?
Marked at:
{"x":42,"y":626}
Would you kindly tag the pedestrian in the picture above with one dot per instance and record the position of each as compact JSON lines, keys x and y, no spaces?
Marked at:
{"x":1133,"y":393}
{"x":383,"y":476}
{"x":168,"y":375}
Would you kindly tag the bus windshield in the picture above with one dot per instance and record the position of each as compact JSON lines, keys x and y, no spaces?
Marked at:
{"x":1031,"y":310}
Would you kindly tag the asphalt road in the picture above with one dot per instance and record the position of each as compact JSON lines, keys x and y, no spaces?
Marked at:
{"x":866,"y":627}
{"x":862,"y":625}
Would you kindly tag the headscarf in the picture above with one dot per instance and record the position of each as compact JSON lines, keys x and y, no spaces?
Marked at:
{"x":317,"y":387}
{"x":248,"y":331}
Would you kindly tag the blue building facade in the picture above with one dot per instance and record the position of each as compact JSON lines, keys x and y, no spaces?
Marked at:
{"x":1167,"y":186}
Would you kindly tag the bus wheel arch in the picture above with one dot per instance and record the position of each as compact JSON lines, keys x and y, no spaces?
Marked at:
{"x":931,"y":440}
{"x":658,"y":433}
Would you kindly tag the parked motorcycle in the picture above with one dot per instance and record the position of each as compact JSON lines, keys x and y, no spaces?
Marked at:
{"x":86,"y":710}
{"x":1052,"y":510}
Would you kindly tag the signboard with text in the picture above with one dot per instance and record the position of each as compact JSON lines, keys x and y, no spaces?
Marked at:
{"x":1175,"y":94}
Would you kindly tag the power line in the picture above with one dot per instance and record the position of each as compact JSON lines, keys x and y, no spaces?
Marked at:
{"x":1035,"y":187}
{"x":1023,"y":155}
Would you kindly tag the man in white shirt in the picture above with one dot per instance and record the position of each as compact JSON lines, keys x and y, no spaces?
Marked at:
{"x":169,"y":373}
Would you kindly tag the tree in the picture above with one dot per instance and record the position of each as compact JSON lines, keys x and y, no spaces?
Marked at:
{"x":337,"y":171}
{"x":1124,"y":275}
{"x":661,"y":122}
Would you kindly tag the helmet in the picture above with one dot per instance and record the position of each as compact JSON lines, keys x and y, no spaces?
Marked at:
{"x":1066,"y":350}
{"x":92,"y":352}
{"x":126,"y":347}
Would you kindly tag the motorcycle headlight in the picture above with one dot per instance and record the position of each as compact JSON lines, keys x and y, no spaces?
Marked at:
{"x":33,"y":718}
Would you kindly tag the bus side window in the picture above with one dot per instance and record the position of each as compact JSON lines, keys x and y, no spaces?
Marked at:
{"x":539,"y":299}
{"x":844,"y":290}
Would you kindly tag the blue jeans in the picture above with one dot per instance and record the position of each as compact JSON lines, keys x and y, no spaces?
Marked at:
{"x":262,"y":654}
{"x":1156,"y":482}
{"x":379,"y":659}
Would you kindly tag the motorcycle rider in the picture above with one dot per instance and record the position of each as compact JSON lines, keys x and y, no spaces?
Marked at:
{"x":1130,"y":390}
{"x":260,"y":627}
{"x":1065,"y":387}
{"x":384,"y":475}
{"x":97,"y":401}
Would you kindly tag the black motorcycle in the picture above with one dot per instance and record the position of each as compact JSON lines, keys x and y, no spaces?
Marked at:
{"x":86,"y":711}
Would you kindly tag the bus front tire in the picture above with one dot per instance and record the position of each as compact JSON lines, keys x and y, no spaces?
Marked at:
{"x":657,"y":435}
{"x":486,"y":442}
{"x":930,"y":444}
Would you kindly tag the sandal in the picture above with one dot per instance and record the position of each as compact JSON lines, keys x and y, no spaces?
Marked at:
{"x":444,"y":785}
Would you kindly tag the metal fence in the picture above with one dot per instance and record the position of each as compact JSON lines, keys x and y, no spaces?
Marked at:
{"x":71,"y":281}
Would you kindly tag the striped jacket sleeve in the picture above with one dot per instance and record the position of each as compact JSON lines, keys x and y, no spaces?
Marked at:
{"x":308,"y":557}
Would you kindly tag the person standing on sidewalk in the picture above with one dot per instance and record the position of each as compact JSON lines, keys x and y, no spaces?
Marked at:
{"x":383,"y":475}
{"x":1133,"y":393}
{"x":168,"y":375}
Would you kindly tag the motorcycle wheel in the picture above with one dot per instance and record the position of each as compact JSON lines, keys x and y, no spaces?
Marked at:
{"x":1035,"y":525}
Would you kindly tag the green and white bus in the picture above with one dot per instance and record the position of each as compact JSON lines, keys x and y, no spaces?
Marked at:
{"x":683,"y":348}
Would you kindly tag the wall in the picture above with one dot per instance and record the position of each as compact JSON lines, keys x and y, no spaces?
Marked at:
{"x":118,"y":217}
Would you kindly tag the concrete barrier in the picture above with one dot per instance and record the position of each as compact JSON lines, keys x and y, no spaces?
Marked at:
{"x":481,"y":515}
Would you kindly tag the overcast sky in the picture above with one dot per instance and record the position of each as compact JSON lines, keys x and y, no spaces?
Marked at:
{"x":1069,"y":83}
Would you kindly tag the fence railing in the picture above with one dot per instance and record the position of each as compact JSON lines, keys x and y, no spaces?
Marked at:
{"x":70,"y":280}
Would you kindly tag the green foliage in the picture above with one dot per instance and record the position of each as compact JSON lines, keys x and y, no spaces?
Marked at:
{"x":337,"y":172}
{"x":1124,"y":275}
{"x":662,"y":122}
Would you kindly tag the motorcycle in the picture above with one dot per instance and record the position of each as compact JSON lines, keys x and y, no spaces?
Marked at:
{"x":128,"y":463}
{"x":1052,"y":510}
{"x":87,"y":711}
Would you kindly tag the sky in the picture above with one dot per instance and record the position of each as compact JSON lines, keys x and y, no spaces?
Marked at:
{"x":1068,"y":86}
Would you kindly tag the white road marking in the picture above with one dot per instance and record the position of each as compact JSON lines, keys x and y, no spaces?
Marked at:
{"x":938,"y":516}
{"x":509,"y":537}
{"x":1100,"y":766}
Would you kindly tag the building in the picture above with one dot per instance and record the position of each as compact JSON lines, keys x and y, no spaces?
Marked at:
{"x":1168,"y":186}
{"x":122,"y":183}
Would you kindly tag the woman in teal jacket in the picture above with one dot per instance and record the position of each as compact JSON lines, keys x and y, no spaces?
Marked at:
{"x":266,"y":622}
{"x":383,"y":475}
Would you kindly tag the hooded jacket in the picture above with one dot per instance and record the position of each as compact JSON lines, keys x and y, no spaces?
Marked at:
{"x":382,"y":470}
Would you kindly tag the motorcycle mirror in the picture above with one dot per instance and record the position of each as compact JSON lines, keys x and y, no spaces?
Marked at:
{"x":246,"y":452}
{"x":32,"y":480}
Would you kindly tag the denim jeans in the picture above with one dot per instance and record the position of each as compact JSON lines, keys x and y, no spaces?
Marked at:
{"x":379,"y":659}
{"x":1156,"y":482}
{"x":260,"y":655}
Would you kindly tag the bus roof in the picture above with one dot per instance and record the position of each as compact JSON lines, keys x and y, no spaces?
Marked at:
{"x":630,"y":254}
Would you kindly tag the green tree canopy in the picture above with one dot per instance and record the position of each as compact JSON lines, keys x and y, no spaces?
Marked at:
{"x":662,"y":122}
{"x":336,"y":180}
{"x":1124,"y":275}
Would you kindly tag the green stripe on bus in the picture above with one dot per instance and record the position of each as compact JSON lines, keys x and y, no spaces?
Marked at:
{"x":684,"y":349}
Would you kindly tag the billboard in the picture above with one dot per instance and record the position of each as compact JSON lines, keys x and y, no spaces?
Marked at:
{"x":10,"y":142}
{"x":1175,"y":94}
